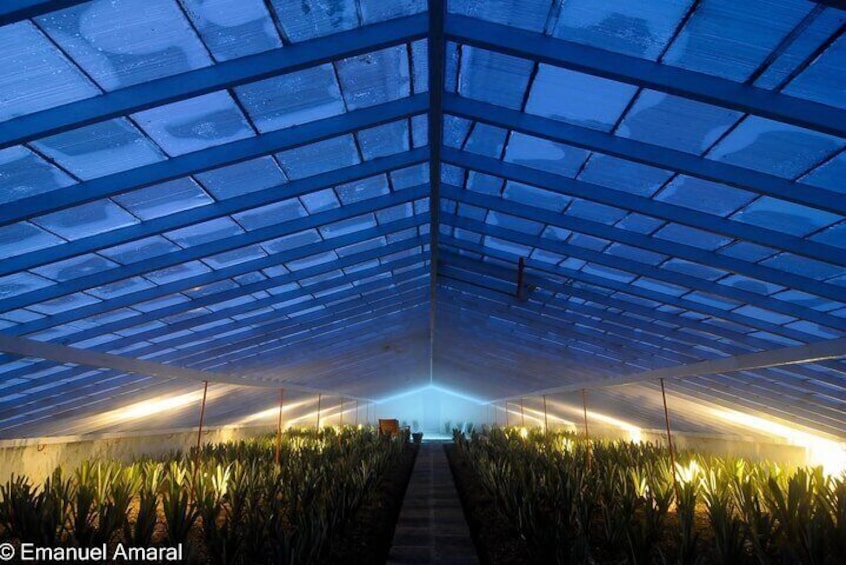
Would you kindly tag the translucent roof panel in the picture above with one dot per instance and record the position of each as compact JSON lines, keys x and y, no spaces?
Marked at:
{"x":250,"y":189}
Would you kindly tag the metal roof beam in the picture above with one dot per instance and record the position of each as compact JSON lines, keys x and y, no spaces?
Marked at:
{"x":275,"y":340}
{"x":647,"y":74}
{"x":212,"y":211}
{"x":436,"y":66}
{"x":64,"y":354}
{"x":654,"y":296}
{"x":13,"y":11}
{"x":638,"y":269}
{"x":653,"y":244}
{"x":713,"y":331}
{"x":809,"y":353}
{"x":211,"y":158}
{"x":130,"y":299}
{"x":654,"y":208}
{"x":24,"y":386}
{"x":212,"y":248}
{"x":219,"y":76}
{"x":648,"y":154}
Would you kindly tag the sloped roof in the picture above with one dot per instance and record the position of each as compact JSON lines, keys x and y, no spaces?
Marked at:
{"x":362,"y":197}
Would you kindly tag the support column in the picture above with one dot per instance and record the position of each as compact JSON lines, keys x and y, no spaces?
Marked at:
{"x":587,"y":433}
{"x":669,"y":439}
{"x":279,"y":425}
{"x":545,"y":417}
{"x":319,"y":400}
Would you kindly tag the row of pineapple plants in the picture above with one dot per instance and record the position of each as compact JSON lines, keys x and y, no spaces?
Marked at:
{"x":229,"y":503}
{"x":574,"y":501}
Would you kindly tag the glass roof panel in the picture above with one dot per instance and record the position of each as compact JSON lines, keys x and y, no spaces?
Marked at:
{"x":177,"y":272}
{"x":532,"y":196}
{"x":100,"y":149}
{"x":566,"y":95}
{"x":204,"y":232}
{"x":41,"y":76}
{"x":373,"y":11}
{"x":620,"y":174}
{"x":194,"y":124}
{"x":85,"y":220}
{"x":319,"y":201}
{"x":829,"y":175}
{"x":486,"y":140}
{"x":233,"y":28}
{"x":641,"y":29}
{"x":242,"y":178}
{"x":24,"y":237}
{"x":75,"y":267}
{"x":315,"y":18}
{"x":834,"y":236}
{"x":363,"y":189}
{"x":789,"y":217}
{"x":139,"y":250}
{"x":21,"y":283}
{"x":384,"y":140}
{"x":545,"y":155}
{"x":320,"y":157}
{"x":692,"y":236}
{"x":291,"y":99}
{"x":24,"y":174}
{"x":113,"y":43}
{"x":526,"y":14}
{"x":163,"y":199}
{"x":271,"y":214}
{"x":822,"y":81}
{"x":710,"y":197}
{"x":493,"y":77}
{"x":775,"y":148}
{"x":731,"y":39}
{"x":375,"y":78}
{"x":63,"y":303}
{"x":674,"y":122}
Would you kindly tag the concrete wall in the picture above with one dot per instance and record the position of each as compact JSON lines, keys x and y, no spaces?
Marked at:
{"x":37,"y":458}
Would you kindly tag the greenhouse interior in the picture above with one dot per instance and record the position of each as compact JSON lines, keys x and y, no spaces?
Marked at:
{"x":423,"y":281}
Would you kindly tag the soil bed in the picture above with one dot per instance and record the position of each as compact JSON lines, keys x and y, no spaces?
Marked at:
{"x":497,"y":540}
{"x":367,"y":538}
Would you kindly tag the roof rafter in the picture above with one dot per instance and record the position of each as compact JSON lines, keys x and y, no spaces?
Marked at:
{"x":638,"y":269}
{"x":211,"y":158}
{"x":212,"y":248}
{"x":215,"y":210}
{"x":647,"y":74}
{"x":645,"y":242}
{"x":634,"y":203}
{"x":216,"y":77}
{"x":653,"y":155}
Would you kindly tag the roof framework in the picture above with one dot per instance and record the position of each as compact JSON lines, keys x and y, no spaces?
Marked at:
{"x":507,"y":198}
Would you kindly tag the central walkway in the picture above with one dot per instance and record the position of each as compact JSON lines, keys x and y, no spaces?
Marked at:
{"x":431,"y":527}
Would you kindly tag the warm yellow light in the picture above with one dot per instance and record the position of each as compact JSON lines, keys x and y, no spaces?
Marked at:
{"x":524,"y":433}
{"x":147,"y":408}
{"x":269,"y":414}
{"x":689,"y":473}
{"x":828,"y":454}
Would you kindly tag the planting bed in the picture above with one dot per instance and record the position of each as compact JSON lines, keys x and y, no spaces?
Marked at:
{"x":334,"y":493}
{"x":552,"y":498}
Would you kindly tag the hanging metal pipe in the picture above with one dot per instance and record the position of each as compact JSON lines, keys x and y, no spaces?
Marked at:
{"x":522,"y":415}
{"x":587,"y":433}
{"x":507,"y":424}
{"x":319,"y":399}
{"x":200,"y":429}
{"x":356,"y":413}
{"x":545,"y":417}
{"x":670,"y":439}
{"x":521,"y":265}
{"x":279,"y":425}
{"x":341,"y":415}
